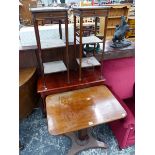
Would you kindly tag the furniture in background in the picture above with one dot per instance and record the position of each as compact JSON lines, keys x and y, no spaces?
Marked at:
{"x":28,"y":96}
{"x":131,"y":22}
{"x":24,"y":12}
{"x":80,"y":109}
{"x":114,"y":18}
{"x":89,"y":59}
{"x":120,"y":79}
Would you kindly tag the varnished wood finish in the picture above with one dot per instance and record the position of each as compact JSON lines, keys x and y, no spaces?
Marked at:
{"x":83,"y":108}
{"x":104,"y":39}
{"x":25,"y":75}
{"x":27,"y":91}
{"x":81,"y":49}
{"x":66,"y":52}
{"x":95,"y":32}
{"x":55,"y":82}
{"x":89,"y":11}
{"x":50,"y":13}
{"x":39,"y":51}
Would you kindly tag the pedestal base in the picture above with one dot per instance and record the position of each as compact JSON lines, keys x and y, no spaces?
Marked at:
{"x":77,"y":147}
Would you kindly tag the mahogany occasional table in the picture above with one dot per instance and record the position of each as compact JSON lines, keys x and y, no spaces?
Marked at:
{"x":80,"y":109}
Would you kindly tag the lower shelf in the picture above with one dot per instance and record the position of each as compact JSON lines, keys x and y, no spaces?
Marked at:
{"x":54,"y":66}
{"x":88,"y":62}
{"x":57,"y":82}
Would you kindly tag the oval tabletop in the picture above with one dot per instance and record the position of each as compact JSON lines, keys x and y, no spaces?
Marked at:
{"x":25,"y":74}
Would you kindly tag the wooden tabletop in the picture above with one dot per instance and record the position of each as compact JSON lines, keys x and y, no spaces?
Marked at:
{"x":82,"y":108}
{"x":91,"y":7}
{"x":25,"y":74}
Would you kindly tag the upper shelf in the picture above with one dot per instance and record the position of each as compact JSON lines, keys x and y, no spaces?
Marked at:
{"x":89,"y":40}
{"x":88,"y":62}
{"x":54,"y":67}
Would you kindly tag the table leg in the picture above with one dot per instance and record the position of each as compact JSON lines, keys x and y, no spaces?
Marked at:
{"x":82,"y":140}
{"x":43,"y":106}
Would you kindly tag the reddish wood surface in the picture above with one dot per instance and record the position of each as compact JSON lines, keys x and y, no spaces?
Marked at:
{"x":83,"y":108}
{"x":57,"y":82}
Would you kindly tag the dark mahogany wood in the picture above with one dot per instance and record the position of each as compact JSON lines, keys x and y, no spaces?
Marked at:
{"x":55,"y":82}
{"x":50,"y":13}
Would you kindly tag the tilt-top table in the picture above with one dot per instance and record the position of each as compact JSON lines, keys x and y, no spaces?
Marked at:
{"x":80,"y":109}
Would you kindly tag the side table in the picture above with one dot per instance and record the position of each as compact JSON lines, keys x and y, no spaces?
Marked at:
{"x":80,"y":109}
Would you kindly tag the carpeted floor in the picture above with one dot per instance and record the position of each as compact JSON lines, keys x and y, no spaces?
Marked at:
{"x":37,"y":141}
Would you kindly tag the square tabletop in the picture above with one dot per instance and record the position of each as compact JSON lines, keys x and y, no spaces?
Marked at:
{"x":82,"y":108}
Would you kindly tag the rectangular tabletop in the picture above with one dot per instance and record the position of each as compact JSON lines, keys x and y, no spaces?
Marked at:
{"x":91,"y":7}
{"x":82,"y":108}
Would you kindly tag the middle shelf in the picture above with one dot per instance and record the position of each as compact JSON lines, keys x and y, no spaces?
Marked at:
{"x":89,"y":40}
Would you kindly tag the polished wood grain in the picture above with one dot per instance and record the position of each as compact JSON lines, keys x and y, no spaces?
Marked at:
{"x":83,"y":108}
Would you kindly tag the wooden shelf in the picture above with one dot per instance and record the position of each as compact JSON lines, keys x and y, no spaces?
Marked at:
{"x":89,"y":40}
{"x":88,"y":62}
{"x":53,"y":67}
{"x":114,"y":18}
